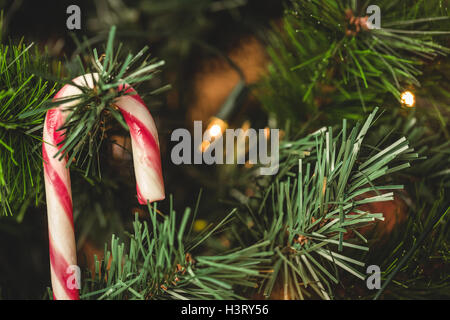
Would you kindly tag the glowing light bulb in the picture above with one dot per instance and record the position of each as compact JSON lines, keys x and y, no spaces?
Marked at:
{"x":408,"y":99}
{"x":215,"y":130}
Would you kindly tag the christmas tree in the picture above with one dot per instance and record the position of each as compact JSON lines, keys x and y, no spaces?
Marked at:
{"x":224,"y":149}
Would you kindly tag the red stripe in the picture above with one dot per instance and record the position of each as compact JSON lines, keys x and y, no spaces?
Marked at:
{"x":139,"y":131}
{"x":128,"y":89}
{"x":60,"y":92}
{"x":59,"y":266}
{"x":53,"y":122}
{"x":145,"y":139}
{"x":140,"y":197}
{"x":147,"y":142}
{"x":62,"y":192}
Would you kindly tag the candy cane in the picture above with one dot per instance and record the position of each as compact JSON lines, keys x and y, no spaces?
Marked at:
{"x":147,"y":167}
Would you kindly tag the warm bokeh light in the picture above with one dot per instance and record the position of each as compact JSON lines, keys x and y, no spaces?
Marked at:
{"x":266,"y":133}
{"x":408,"y":99}
{"x":245,"y":126}
{"x":199,"y":225}
{"x":216,"y":127}
{"x":215,"y":130}
{"x":248,"y":165}
{"x":204,"y":145}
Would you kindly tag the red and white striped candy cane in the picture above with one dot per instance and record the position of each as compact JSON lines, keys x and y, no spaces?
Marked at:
{"x":147,"y":167}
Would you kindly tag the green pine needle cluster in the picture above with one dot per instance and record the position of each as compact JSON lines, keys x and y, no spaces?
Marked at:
{"x":158,"y":264}
{"x":416,"y":266}
{"x":414,"y":260}
{"x":309,"y":216}
{"x":90,"y":113}
{"x":321,"y":63}
{"x":22,"y":95}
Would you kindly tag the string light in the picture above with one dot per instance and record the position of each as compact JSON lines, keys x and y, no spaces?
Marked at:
{"x":408,"y":99}
{"x":215,"y":129}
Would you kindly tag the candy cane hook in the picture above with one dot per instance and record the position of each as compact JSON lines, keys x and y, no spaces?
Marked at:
{"x":147,"y":167}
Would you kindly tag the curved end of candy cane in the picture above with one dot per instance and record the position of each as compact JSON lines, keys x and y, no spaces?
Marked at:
{"x":155,"y":194}
{"x":145,"y":147}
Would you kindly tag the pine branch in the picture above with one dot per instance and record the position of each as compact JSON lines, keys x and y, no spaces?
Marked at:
{"x":433,"y":248}
{"x":309,"y":217}
{"x":414,"y":262}
{"x":21,"y":93}
{"x":159,"y":265}
{"x":330,"y":63}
